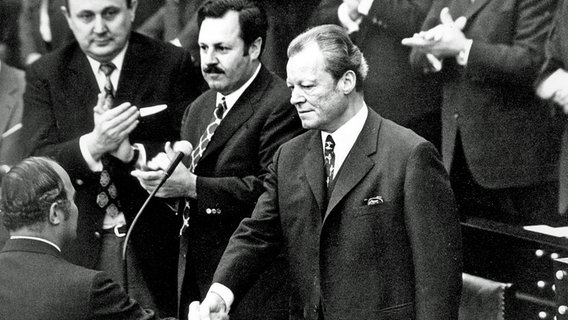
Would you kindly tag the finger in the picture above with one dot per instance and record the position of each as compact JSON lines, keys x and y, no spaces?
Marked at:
{"x":446,"y":17}
{"x":148,"y":176}
{"x":118,"y":124}
{"x":169,"y":150}
{"x":460,"y":22}
{"x":100,"y":106}
{"x":193,"y":313}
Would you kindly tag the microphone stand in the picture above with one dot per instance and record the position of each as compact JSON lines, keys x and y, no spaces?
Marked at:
{"x":174,"y":163}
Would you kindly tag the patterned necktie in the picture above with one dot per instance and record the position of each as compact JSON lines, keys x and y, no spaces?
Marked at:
{"x":107,"y":199}
{"x":107,"y":68}
{"x":329,"y":158}
{"x":208,"y":134}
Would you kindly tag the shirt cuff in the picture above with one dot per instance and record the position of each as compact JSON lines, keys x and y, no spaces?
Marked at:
{"x":95,"y":166}
{"x":548,"y":87}
{"x":364,"y":7}
{"x":141,"y":161}
{"x":343,"y":15}
{"x":176,"y":42}
{"x":225,"y":293}
{"x":463,"y":55}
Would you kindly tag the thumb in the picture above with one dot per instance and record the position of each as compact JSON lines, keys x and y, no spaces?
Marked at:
{"x":168,"y":148}
{"x":446,"y":17}
{"x":460,"y":23}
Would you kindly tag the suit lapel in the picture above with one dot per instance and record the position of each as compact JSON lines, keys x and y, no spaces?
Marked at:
{"x":136,"y":58}
{"x":475,"y":7}
{"x":313,"y":169}
{"x":80,"y":82}
{"x":357,"y":164}
{"x":466,"y":8}
{"x":240,"y":112}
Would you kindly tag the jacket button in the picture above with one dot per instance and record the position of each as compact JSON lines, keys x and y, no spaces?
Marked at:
{"x":456,"y":116}
{"x":79,"y":182}
{"x":97,"y":235}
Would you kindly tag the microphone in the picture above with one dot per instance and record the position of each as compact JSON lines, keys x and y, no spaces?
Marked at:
{"x":181,"y":149}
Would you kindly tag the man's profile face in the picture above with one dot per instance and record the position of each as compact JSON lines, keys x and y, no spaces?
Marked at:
{"x":315,"y":95}
{"x":101,"y":27}
{"x":224,"y":63}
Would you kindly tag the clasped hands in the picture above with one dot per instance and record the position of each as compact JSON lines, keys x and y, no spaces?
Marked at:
{"x":181,"y":183}
{"x":112,"y":129}
{"x":442,"y":41}
{"x":213,"y":307}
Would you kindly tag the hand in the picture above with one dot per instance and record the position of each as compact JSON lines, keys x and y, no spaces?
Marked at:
{"x":352,"y":8}
{"x":124,"y":152}
{"x":444,"y":40}
{"x":181,"y":183}
{"x":212,"y":308}
{"x":561,"y":98}
{"x":112,"y":127}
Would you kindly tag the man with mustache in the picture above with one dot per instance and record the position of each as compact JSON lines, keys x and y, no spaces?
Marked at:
{"x":235,"y":128}
{"x":133,"y":72}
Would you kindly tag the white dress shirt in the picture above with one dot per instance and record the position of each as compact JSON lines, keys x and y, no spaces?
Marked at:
{"x":37,"y":239}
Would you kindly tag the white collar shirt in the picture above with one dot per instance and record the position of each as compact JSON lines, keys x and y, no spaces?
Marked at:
{"x":232,"y":97}
{"x":37,"y":239}
{"x":345,"y":137}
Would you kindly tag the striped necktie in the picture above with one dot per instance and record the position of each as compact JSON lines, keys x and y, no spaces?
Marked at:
{"x":208,"y":134}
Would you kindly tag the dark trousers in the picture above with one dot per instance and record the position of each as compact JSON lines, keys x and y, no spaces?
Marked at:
{"x":525,"y":205}
{"x":110,"y":261}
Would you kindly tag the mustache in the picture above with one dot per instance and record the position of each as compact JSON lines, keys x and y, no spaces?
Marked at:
{"x":212,"y":69}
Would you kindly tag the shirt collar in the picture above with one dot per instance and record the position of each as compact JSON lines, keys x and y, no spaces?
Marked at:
{"x":232,"y":97}
{"x":346,"y":135}
{"x":37,"y":239}
{"x":117,"y":61}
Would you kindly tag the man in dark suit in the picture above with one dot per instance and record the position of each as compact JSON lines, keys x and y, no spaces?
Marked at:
{"x":59,"y":121}
{"x":37,"y":207}
{"x":553,"y":86}
{"x":362,"y":206}
{"x":42,"y":28}
{"x":12,"y":86}
{"x":392,"y":88}
{"x":253,"y":116}
{"x":499,"y":141}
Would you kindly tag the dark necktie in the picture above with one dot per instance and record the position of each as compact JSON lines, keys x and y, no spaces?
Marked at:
{"x":329,"y":158}
{"x":107,"y":199}
{"x":107,"y":68}
{"x":208,"y":134}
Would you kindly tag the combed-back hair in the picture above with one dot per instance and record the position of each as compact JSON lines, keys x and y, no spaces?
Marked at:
{"x":252,"y":18}
{"x":128,"y":4}
{"x":28,"y":191}
{"x":339,"y":52}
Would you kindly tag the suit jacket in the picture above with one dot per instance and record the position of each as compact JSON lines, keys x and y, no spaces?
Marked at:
{"x":60,"y":95}
{"x":37,"y":283}
{"x":509,"y":137}
{"x":230,"y":174}
{"x":557,"y":58}
{"x":397,"y":257}
{"x":29,"y":22}
{"x":12,"y":86}
{"x":391,"y":87}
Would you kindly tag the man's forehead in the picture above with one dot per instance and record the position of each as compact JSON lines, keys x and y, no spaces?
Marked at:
{"x":220,"y":29}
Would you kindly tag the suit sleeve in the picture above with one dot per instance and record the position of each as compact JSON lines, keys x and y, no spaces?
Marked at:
{"x":553,"y":50}
{"x":281,"y":125}
{"x":401,"y":18}
{"x":109,"y":301}
{"x":255,"y":243}
{"x":154,"y":26}
{"x":435,"y":237}
{"x":517,"y":59}
{"x":40,"y":132}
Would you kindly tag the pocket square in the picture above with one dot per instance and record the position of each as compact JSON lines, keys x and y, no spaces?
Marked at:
{"x":147,"y":111}
{"x":374,"y":201}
